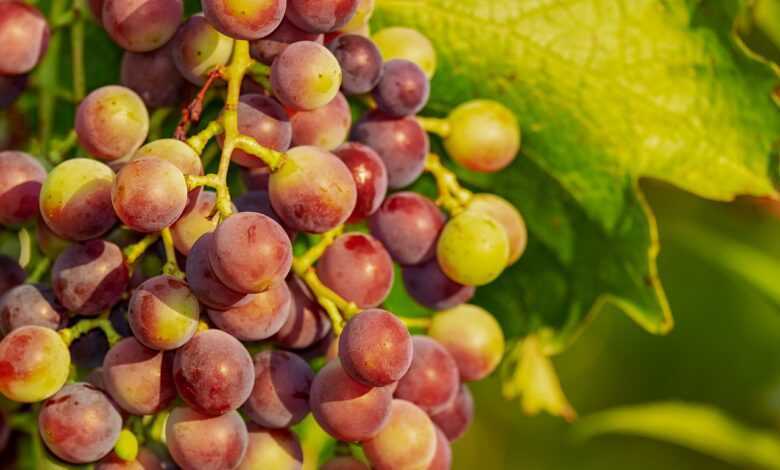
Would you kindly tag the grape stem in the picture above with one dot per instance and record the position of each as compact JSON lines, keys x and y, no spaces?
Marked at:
{"x":199,"y":141}
{"x":25,"y":247}
{"x":438,"y":126}
{"x":61,"y":147}
{"x":171,"y":267}
{"x":38,"y":271}
{"x":86,"y":325}
{"x":191,"y":112}
{"x":419,"y":323}
{"x":452,"y":196}
{"x":136,"y":250}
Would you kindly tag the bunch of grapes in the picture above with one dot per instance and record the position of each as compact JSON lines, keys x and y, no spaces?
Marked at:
{"x":162,"y":282}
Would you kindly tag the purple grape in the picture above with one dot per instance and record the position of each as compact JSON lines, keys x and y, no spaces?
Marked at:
{"x":24,"y":34}
{"x":455,"y":419}
{"x":256,"y":179}
{"x":11,"y":274}
{"x":375,"y":348}
{"x":274,"y":449}
{"x":263,"y":119}
{"x":11,"y":86}
{"x":321,"y":16}
{"x":357,"y":267}
{"x":259,"y":318}
{"x":370,"y":176}
{"x":280,"y":397}
{"x":403,"y":89}
{"x":139,"y":379}
{"x":428,"y":285}
{"x":408,"y":224}
{"x":141,"y":25}
{"x":401,"y":142}
{"x":267,"y":48}
{"x":29,"y":304}
{"x":326,"y":127}
{"x":89,"y":350}
{"x":204,"y":283}
{"x":90,"y":278}
{"x":240,"y":19}
{"x":407,"y":441}
{"x":79,"y":424}
{"x":307,"y":322}
{"x":214,"y":373}
{"x":345,"y":408}
{"x":154,"y":76}
{"x":361,"y":63}
{"x":305,"y":76}
{"x":201,"y":442}
{"x":163,"y":313}
{"x":433,"y":378}
{"x":21,"y":178}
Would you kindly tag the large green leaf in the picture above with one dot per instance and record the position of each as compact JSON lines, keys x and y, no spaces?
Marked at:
{"x":607,"y":92}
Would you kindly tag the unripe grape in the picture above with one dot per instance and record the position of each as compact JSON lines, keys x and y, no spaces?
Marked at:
{"x":244,"y":19}
{"x":305,"y":76}
{"x":484,"y":136}
{"x":473,"y":249}
{"x":199,"y":49}
{"x":24,"y":34}
{"x":508,"y":216}
{"x":35,"y":364}
{"x":409,"y":44}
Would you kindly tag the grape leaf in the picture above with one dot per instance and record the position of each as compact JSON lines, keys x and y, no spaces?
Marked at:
{"x":607,"y":92}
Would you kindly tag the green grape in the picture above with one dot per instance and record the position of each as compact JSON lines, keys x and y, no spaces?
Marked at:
{"x":473,"y":337}
{"x":409,"y":44}
{"x":507,"y":215}
{"x":473,"y":249}
{"x":484,"y":136}
{"x":34,"y":364}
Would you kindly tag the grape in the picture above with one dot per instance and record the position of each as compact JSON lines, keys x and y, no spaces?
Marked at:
{"x":154,"y":76}
{"x":326,"y":127}
{"x":141,"y":25}
{"x":194,"y":223}
{"x":455,"y":419}
{"x":263,"y":119}
{"x":24,"y":35}
{"x":473,"y":337}
{"x":280,"y":397}
{"x":345,"y":408}
{"x":201,"y":442}
{"x":204,"y":283}
{"x":432,"y":380}
{"x":250,"y":252}
{"x":321,"y":16}
{"x":96,"y":7}
{"x":266,"y":49}
{"x":214,"y":373}
{"x":272,"y":449}
{"x":139,"y":379}
{"x":408,"y":441}
{"x":305,"y":76}
{"x":163,"y":313}
{"x":260,"y":201}
{"x":112,"y":122}
{"x":375,"y":348}
{"x":360,"y":20}
{"x":146,"y":460}
{"x":402,"y":144}
{"x":11,"y":86}
{"x":403,"y":89}
{"x":79,"y":424}
{"x":21,"y":178}
{"x":505,"y":214}
{"x":181,"y":155}
{"x":149,"y":194}
{"x":358,"y":268}
{"x":484,"y":136}
{"x":242,"y":19}
{"x":256,"y":179}
{"x":313,"y":191}
{"x":198,"y":49}
{"x":409,"y":44}
{"x":361,"y":63}
{"x":259,"y":317}
{"x":473,"y":249}
{"x":307,"y":322}
{"x":27,"y":305}
{"x":11,"y":274}
{"x":75,"y":199}
{"x":90,"y":277}
{"x":370,"y":176}
{"x":50,"y":244}
{"x":408,"y":224}
{"x":34,"y":364}
{"x":442,"y":459}
{"x":88,"y":350}
{"x":427,"y":284}
{"x":344,"y":463}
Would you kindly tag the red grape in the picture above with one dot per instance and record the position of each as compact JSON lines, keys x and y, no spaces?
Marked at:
{"x":326,"y":127}
{"x":280,"y":397}
{"x":408,"y":224}
{"x":442,"y":459}
{"x":201,"y":442}
{"x":432,"y":380}
{"x":321,"y":16}
{"x":259,"y":317}
{"x":204,"y":283}
{"x":34,"y":364}
{"x":428,"y":285}
{"x":163,"y":313}
{"x":240,"y":19}
{"x":260,"y":201}
{"x":29,"y":304}
{"x":272,"y":449}
{"x":141,"y":25}
{"x":408,"y":441}
{"x":112,"y":122}
{"x":370,"y":176}
{"x":455,"y":419}
{"x":194,"y":222}
{"x":307,"y":322}
{"x":305,"y":76}
{"x":21,"y":178}
{"x":24,"y":34}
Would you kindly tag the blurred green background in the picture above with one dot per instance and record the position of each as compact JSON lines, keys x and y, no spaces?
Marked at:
{"x":724,"y":350}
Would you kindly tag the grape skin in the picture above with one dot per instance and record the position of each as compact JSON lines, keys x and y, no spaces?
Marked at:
{"x":484,"y":136}
{"x":257,"y":318}
{"x":307,"y":322}
{"x":163,"y":313}
{"x":505,"y":214}
{"x":28,"y":305}
{"x":408,"y":224}
{"x":432,"y":380}
{"x":406,"y":43}
{"x":473,"y":249}
{"x":214,"y":373}
{"x":201,"y":442}
{"x":141,"y":25}
{"x":403,"y":89}
{"x":24,"y":34}
{"x":241,"y":19}
{"x":112,"y":122}
{"x":430,"y":287}
{"x":280,"y":396}
{"x":408,"y":441}
{"x":321,"y":16}
{"x":455,"y":419}
{"x":89,"y":278}
{"x":258,"y":200}
{"x":361,"y":63}
{"x":305,"y":76}
{"x":400,"y":142}
{"x":21,"y":179}
{"x":263,"y":119}
{"x":139,"y":379}
{"x":326,"y":127}
{"x":370,"y":176}
{"x":204,"y":283}
{"x":198,"y":49}
{"x":345,"y":408}
{"x":11,"y":274}
{"x":79,"y":424}
{"x":272,"y":449}
{"x":194,"y":222}
{"x":75,"y":200}
{"x":34,"y":364}
{"x":442,"y":458}
{"x":266,"y":49}
{"x":153,"y":75}
{"x":375,"y":348}
{"x":357,"y":267}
